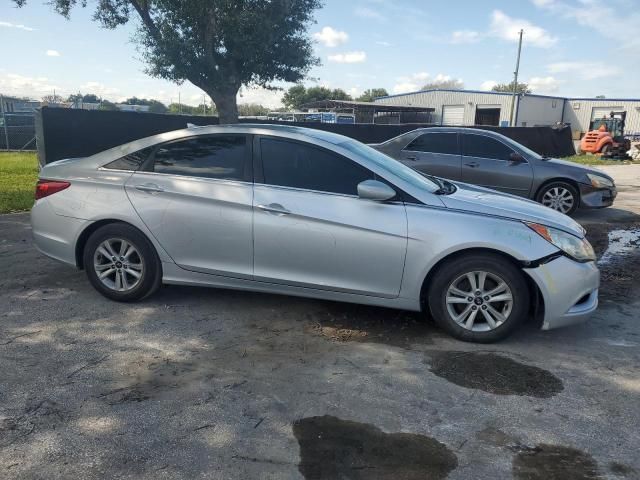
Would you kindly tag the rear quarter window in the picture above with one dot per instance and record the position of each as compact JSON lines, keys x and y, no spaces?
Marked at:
{"x":131,"y":162}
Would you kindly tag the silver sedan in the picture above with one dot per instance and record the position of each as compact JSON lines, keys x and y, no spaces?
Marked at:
{"x":295,"y":211}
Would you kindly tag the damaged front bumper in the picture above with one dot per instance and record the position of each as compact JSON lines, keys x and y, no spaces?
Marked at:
{"x":591,"y":197}
{"x":569,"y":290}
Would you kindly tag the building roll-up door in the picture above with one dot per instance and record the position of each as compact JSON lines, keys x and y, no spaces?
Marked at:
{"x":453,"y":115}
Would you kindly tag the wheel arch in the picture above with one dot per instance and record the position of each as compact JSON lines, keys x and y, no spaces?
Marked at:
{"x":537,"y":302}
{"x":81,"y":242}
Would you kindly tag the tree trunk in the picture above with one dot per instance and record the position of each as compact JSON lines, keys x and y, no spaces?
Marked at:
{"x":227,"y":105}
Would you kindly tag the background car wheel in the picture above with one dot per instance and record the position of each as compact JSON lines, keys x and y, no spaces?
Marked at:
{"x":121,"y":263}
{"x":479,"y":297}
{"x":560,"y":196}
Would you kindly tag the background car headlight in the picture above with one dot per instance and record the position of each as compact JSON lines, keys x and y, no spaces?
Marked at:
{"x":577,"y":248}
{"x":599,"y":182}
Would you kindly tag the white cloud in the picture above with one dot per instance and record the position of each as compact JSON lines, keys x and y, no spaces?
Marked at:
{"x":543,"y":84}
{"x":349,"y":57}
{"x":20,"y":85}
{"x":465,"y":36}
{"x":405,"y":87}
{"x":330,"y":37}
{"x":607,"y":21}
{"x":585,"y":70}
{"x":382,"y":43}
{"x":366,"y":12}
{"x":488,"y":85}
{"x":18,"y":26}
{"x":99,"y":89}
{"x":508,"y":28}
{"x":53,"y":53}
{"x":261,"y":96}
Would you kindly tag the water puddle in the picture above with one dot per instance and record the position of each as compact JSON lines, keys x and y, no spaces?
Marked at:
{"x":494,"y":373}
{"x":331,"y":448}
{"x":552,"y":462}
{"x":621,"y":243}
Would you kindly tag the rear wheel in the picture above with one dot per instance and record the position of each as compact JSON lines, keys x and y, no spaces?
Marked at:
{"x":121,"y":263}
{"x":479,"y":297}
{"x":560,"y":196}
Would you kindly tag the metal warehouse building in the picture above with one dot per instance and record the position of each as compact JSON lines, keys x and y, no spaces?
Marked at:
{"x":472,"y":107}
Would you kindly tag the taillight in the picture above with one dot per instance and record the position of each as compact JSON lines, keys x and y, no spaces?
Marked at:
{"x":44,"y":188}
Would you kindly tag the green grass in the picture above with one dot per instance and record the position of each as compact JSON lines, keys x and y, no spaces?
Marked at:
{"x":18,"y":175}
{"x":595,"y":160}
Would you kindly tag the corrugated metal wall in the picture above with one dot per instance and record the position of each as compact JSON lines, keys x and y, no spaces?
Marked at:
{"x":439,"y":99}
{"x":533,"y":110}
{"x":539,"y":111}
{"x":578,"y":113}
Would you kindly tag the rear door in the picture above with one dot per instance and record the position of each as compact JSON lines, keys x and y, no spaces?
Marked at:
{"x":486,"y":162}
{"x":312,"y":230}
{"x":436,"y":153}
{"x":195,"y":195}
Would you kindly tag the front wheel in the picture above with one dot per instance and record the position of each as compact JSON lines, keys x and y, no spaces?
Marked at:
{"x":560,"y":196}
{"x":121,"y":263}
{"x":479,"y":297}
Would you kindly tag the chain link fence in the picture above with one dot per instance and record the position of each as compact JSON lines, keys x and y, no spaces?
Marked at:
{"x":17,"y":131}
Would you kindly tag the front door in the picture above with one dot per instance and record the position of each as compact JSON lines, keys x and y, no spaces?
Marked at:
{"x":434,"y":153}
{"x":312,"y":230}
{"x":195,"y":196}
{"x":487,"y":162}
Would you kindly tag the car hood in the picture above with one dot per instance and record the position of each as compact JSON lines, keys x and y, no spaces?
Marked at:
{"x":576,"y":168}
{"x":471,"y":198}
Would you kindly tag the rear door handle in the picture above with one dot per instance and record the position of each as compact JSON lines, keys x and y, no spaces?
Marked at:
{"x":472,"y":164}
{"x":413,"y":158}
{"x":150,"y":188}
{"x":274,"y":208}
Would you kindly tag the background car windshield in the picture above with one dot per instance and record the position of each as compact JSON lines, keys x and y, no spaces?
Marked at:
{"x":390,"y":165}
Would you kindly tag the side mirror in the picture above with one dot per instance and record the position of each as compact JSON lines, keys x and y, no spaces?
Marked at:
{"x":375,"y":190}
{"x":516,"y":158}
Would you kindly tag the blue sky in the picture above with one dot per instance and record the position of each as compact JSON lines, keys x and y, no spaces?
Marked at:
{"x":572,"y":48}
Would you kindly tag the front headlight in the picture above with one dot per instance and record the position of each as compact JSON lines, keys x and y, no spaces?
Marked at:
{"x":577,"y":248}
{"x":599,"y":182}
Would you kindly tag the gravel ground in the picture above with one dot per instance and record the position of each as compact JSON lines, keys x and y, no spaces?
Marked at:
{"x":205,"y":383}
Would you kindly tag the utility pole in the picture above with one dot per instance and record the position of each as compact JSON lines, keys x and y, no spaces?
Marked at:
{"x":204,"y":104}
{"x":179,"y":103}
{"x":515,"y":81}
{"x":4,"y":122}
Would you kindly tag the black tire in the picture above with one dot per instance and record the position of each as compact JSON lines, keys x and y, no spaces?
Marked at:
{"x":560,"y":185}
{"x":496,"y":266}
{"x":606,"y":150}
{"x":145,"y":254}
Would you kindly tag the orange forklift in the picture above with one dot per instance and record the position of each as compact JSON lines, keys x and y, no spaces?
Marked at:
{"x":607,"y":137}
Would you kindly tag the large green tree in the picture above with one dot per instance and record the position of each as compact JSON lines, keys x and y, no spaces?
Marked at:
{"x":371,"y":94}
{"x":298,"y":95}
{"x":218,"y":45}
{"x":521,"y":88}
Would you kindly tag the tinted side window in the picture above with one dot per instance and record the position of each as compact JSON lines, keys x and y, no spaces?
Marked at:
{"x":435,"y":143}
{"x":291,"y":164}
{"x":220,"y":156}
{"x":132,"y":162}
{"x":484,"y":147}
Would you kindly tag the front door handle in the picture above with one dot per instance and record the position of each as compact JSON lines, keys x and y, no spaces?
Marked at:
{"x":413,"y":158}
{"x":274,"y":208}
{"x":150,"y":188}
{"x":472,"y":164}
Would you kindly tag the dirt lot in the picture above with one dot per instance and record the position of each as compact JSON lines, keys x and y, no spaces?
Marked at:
{"x":204,"y":383}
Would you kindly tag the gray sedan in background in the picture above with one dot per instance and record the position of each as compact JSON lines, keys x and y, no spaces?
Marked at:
{"x":296,"y":211}
{"x":491,"y":160}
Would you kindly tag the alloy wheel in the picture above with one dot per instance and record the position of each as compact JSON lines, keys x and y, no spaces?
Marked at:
{"x":479,"y":301}
{"x":118,"y":264}
{"x":558,"y":198}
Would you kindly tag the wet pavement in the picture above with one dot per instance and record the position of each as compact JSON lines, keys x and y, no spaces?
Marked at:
{"x":205,"y":383}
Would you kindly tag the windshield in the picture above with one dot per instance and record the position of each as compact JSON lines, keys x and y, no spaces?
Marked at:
{"x":390,"y":165}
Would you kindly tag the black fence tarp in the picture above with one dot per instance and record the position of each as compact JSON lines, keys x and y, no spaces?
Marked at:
{"x":67,"y":133}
